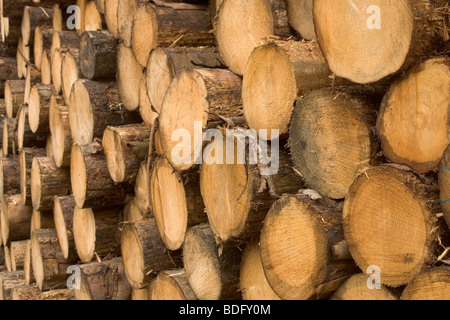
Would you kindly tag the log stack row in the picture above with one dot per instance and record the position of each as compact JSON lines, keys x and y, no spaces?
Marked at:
{"x":122,"y":170}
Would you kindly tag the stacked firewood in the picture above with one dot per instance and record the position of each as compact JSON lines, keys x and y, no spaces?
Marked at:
{"x":123,"y":126}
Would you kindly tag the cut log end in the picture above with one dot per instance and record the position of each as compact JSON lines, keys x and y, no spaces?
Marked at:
{"x":81,"y":125}
{"x":78,"y":175}
{"x":35,"y":183}
{"x":69,"y":74}
{"x":84,"y":233}
{"x":356,"y":288}
{"x":144,"y":33}
{"x":432,"y":284}
{"x":132,"y":254}
{"x":171,"y":285}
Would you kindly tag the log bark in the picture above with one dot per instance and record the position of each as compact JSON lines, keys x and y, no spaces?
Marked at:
{"x":42,"y":42}
{"x":171,"y":285}
{"x":125,"y":147}
{"x":129,"y":75}
{"x":407,"y":208}
{"x":98,"y":52}
{"x":252,"y":280}
{"x":308,"y":234}
{"x":144,"y":254}
{"x":10,"y":175}
{"x":18,"y":250}
{"x":63,"y":210}
{"x":25,"y":292}
{"x":104,"y":280}
{"x":26,"y":157}
{"x":355,"y":288}
{"x":330,"y":153}
{"x":64,"y":40}
{"x":49,"y":265}
{"x":183,"y":192}
{"x":8,"y":70}
{"x":38,"y":108}
{"x":418,"y":104}
{"x":42,"y":220}
{"x":96,"y":232}
{"x":91,"y":182}
{"x":165,"y":63}
{"x":47,"y":181}
{"x":25,"y":138}
{"x":247,"y":189}
{"x":94,"y":106}
{"x":418,"y":27}
{"x":15,"y":219}
{"x":194,"y":98}
{"x":212,"y":270}
{"x":14,"y":96}
{"x":8,"y":281}
{"x":432,"y":284}
{"x":268,"y":101}
{"x":57,"y":294}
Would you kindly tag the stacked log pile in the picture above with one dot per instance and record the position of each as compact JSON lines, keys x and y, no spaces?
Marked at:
{"x":137,"y":148}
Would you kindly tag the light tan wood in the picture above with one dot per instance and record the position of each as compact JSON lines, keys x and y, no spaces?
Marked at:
{"x":171,"y":285}
{"x":433,"y":284}
{"x":356,"y":288}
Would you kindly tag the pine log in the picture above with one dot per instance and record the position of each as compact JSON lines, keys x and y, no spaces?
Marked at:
{"x":303,"y":249}
{"x":145,"y":106}
{"x":96,"y":232}
{"x":93,"y":20}
{"x":444,"y":185}
{"x":144,"y":254}
{"x":355,"y":288}
{"x":402,"y":31}
{"x":56,"y":63}
{"x":419,"y":105}
{"x":330,"y":153}
{"x":171,"y":285}
{"x":9,"y":143}
{"x":125,"y":13}
{"x":8,"y":281}
{"x":182,"y":191}
{"x":268,"y":101}
{"x":252,"y":280}
{"x":129,"y":74}
{"x":46,"y":72}
{"x":32,"y":18}
{"x":91,"y":182}
{"x":15,"y":219}
{"x":57,"y":24}
{"x":194,"y":98}
{"x":142,"y":191}
{"x":300,"y":15}
{"x":56,"y":101}
{"x":42,"y":42}
{"x":131,"y":212}
{"x":165,"y":63}
{"x":92,"y":107}
{"x":398,"y":206}
{"x":212,"y":270}
{"x":25,"y":138}
{"x":81,"y":4}
{"x":64,"y":40}
{"x":32,"y":77}
{"x":432,"y":284}
{"x":26,"y":157}
{"x":17,"y":251}
{"x":63,"y":210}
{"x":236,"y":38}
{"x":125,"y":147}
{"x":27,"y":269}
{"x":246,"y":190}
{"x":98,"y":52}
{"x":47,"y":181}
{"x":70,"y":72}
{"x":62,"y":136}
{"x":163,"y":26}
{"x":38,"y":107}
{"x":22,"y":58}
{"x":14,"y":96}
{"x":42,"y":220}
{"x":104,"y":280}
{"x":111,"y":17}
{"x":49,"y":265}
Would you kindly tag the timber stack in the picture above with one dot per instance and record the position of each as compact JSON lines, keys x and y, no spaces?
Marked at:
{"x":170,"y":150}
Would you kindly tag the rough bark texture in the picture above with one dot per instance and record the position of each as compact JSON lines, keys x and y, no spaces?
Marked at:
{"x":98,"y":50}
